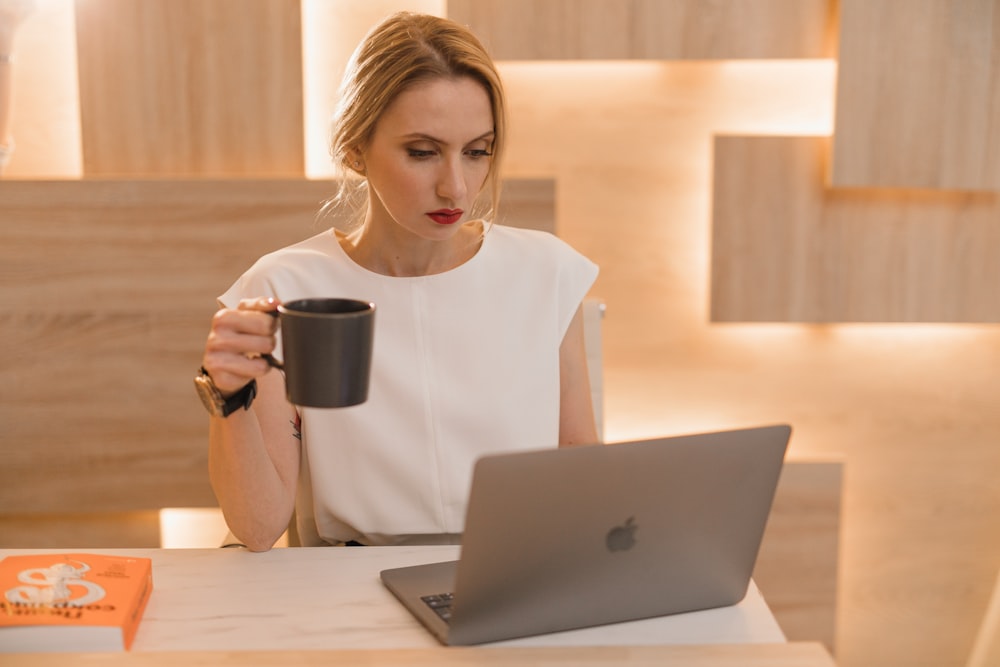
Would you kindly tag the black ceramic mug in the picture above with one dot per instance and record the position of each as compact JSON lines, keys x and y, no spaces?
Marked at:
{"x":327,"y":351}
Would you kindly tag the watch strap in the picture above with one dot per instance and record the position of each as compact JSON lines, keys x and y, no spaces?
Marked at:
{"x":241,"y":399}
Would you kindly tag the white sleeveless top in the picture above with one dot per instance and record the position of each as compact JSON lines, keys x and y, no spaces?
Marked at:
{"x":465,"y":363}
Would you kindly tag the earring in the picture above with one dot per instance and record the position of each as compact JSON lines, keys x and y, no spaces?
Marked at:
{"x":357,"y":164}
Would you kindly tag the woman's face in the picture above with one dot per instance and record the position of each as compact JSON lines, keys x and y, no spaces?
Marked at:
{"x":429,"y":156}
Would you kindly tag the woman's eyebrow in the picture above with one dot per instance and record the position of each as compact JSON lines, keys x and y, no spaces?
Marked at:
{"x":414,"y":136}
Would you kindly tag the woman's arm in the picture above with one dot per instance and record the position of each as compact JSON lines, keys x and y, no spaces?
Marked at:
{"x":254,"y":455}
{"x":576,"y":409}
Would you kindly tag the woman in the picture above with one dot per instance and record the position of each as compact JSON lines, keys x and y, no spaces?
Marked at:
{"x":479,"y":334}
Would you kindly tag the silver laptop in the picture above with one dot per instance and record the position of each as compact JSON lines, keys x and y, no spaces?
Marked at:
{"x":562,"y":539}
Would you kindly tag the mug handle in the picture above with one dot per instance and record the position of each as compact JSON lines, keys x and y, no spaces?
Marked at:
{"x":267,"y":356}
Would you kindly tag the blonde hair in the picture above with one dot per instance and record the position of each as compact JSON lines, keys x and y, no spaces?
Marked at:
{"x":404,"y":50}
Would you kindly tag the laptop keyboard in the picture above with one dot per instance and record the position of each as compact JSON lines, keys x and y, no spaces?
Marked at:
{"x":441,"y":604}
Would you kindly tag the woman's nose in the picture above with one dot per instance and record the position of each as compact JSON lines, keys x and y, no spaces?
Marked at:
{"x":451,"y":181}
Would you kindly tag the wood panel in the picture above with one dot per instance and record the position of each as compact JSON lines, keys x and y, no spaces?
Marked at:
{"x":529,"y":204}
{"x":143,"y":62}
{"x":107,"y":291}
{"x":650,"y":29}
{"x":797,"y":569}
{"x":918,"y":94}
{"x":785,"y":249}
{"x":80,"y":530}
{"x":143,"y":245}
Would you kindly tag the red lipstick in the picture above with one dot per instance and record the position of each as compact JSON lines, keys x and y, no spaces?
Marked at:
{"x":446,"y":216}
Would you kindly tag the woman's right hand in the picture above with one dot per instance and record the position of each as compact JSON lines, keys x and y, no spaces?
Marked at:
{"x":236,"y":341}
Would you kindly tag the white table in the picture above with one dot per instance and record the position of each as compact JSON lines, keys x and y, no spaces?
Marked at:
{"x":332,"y":598}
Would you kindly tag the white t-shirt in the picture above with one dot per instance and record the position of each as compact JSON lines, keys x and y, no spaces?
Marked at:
{"x":465,"y":363}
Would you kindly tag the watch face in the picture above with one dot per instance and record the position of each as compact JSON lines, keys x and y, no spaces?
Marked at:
{"x":209,"y":395}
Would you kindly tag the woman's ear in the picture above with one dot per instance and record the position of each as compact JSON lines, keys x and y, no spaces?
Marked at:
{"x":356,"y":161}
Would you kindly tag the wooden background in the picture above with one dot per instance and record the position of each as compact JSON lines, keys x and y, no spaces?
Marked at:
{"x":793,"y":203}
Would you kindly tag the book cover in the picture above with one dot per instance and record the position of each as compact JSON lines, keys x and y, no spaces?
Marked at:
{"x":72,"y":602}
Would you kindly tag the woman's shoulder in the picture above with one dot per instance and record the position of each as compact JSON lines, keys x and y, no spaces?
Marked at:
{"x":297,"y":263}
{"x":527,"y":238}
{"x":324,"y":241}
{"x":323,"y":244}
{"x":520,"y":233}
{"x":295,"y":270}
{"x":532,"y":242}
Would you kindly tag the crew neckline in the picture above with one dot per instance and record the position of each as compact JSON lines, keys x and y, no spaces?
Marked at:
{"x":334,"y":236}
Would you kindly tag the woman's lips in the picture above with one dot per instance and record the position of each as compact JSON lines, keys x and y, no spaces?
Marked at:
{"x":446,"y":216}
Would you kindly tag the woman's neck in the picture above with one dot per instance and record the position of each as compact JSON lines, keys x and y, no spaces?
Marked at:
{"x":401,"y":254}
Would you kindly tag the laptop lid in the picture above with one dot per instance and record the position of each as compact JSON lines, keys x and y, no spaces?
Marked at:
{"x":561,"y":539}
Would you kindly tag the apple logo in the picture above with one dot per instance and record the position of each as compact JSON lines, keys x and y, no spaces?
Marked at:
{"x":622,"y":538}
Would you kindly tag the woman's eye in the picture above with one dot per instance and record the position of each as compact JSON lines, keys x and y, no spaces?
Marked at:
{"x":479,"y":153}
{"x":419,"y":153}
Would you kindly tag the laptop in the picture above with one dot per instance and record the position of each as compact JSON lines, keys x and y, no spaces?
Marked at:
{"x":561,"y":539}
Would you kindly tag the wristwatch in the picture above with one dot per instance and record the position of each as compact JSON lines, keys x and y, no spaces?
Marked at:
{"x":218,"y":406}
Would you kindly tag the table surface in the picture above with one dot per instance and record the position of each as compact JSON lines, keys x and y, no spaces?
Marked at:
{"x":232,"y":603}
{"x":796,"y":654}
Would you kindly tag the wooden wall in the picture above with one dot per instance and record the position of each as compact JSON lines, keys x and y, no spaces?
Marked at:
{"x":650,"y":29}
{"x":141,"y":64}
{"x":786,"y":248}
{"x":926,"y":112}
{"x":782,"y":237}
{"x":110,"y":286}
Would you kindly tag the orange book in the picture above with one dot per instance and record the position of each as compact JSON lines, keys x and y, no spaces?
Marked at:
{"x":72,"y":602}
